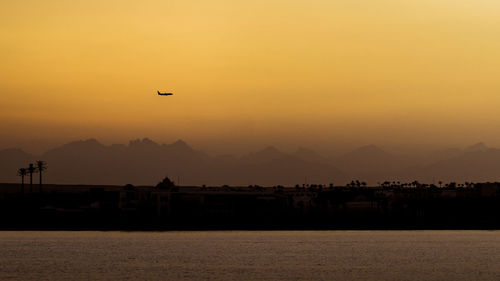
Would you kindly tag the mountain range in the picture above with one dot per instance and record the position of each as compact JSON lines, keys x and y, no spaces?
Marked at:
{"x":145,"y":162}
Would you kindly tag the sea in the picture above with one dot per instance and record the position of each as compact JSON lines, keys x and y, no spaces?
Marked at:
{"x":250,"y":255}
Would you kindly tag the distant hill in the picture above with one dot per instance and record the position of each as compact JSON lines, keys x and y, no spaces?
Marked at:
{"x":478,"y":165}
{"x":141,"y":162}
{"x":309,"y":155}
{"x":277,"y":168}
{"x":145,"y":162}
{"x":372,"y":164}
{"x":10,"y":161}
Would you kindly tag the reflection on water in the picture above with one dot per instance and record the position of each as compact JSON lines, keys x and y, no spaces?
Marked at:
{"x":251,"y":255}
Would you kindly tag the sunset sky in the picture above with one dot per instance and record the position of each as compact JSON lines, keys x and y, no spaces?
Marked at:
{"x":244,"y":74}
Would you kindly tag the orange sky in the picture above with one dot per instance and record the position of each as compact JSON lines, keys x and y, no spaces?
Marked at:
{"x":251,"y":73}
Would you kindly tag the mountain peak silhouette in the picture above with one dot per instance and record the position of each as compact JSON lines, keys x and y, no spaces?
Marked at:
{"x":267,"y":154}
{"x":180,"y":143}
{"x":79,"y":145}
{"x":145,"y":142}
{"x":144,"y":161}
{"x":179,"y":146}
{"x":90,"y":141}
{"x":478,"y":147}
{"x":269,"y":151}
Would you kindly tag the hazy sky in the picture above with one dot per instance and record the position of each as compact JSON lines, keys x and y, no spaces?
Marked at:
{"x":249,"y":73}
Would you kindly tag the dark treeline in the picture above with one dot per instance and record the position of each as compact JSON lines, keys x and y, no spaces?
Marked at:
{"x":391,"y":205}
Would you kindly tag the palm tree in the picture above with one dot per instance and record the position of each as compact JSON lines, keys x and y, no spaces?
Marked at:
{"x":41,"y":166}
{"x":31,"y":170}
{"x":22,"y":173}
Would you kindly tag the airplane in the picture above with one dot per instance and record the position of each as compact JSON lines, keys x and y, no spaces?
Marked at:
{"x":164,"y":94}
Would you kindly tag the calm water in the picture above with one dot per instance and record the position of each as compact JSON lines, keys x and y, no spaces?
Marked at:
{"x":259,"y":255}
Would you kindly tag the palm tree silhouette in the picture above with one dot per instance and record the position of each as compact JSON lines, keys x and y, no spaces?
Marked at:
{"x":22,"y":173}
{"x":41,"y":166}
{"x":31,"y":170}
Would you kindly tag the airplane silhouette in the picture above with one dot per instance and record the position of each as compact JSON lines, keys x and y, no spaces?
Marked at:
{"x":164,"y":94}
